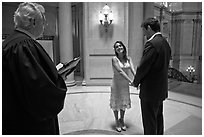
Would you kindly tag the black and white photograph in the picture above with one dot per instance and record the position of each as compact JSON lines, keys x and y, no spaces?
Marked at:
{"x":101,"y":68}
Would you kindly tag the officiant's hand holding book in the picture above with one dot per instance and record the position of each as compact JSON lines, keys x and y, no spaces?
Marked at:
{"x":67,"y":68}
{"x":68,"y":72}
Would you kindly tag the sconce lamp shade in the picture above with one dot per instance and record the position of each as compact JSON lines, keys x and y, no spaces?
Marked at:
{"x":106,"y":16}
{"x":106,"y":10}
{"x":110,"y":15}
{"x":101,"y":16}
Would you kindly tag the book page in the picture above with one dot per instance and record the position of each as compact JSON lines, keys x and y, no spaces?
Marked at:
{"x":59,"y":66}
{"x":69,"y":65}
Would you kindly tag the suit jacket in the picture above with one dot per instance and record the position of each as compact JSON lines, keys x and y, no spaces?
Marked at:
{"x":152,"y":73}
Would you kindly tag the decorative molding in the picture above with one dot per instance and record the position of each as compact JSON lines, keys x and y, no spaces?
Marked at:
{"x":94,"y":55}
{"x":70,"y":83}
{"x":100,"y":78}
{"x":187,"y":13}
{"x":197,"y":20}
{"x":178,"y":20}
{"x":186,"y":21}
{"x":46,"y":38}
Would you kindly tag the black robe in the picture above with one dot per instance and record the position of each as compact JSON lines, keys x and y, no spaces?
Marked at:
{"x":33,"y":92}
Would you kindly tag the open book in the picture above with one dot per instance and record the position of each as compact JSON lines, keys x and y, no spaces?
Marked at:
{"x":69,"y":67}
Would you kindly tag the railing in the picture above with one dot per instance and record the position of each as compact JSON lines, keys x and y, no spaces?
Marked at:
{"x":175,"y":74}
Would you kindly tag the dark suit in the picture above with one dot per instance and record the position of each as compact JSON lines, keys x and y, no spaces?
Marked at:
{"x":152,"y":75}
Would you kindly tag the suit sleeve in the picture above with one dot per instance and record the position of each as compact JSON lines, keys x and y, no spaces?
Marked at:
{"x":43,"y":92}
{"x":148,"y":58}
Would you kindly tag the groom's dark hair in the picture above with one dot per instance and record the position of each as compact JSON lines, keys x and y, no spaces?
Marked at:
{"x":153,"y":23}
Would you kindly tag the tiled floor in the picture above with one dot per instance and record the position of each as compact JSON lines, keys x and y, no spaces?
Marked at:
{"x":87,"y":111}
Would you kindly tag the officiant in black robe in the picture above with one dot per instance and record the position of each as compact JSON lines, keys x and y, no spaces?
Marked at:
{"x":33,"y":92}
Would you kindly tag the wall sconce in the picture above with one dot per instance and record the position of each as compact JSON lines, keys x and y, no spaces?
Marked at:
{"x":106,"y":16}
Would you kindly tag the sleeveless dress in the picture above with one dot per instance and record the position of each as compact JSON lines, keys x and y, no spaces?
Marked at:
{"x":120,"y":95}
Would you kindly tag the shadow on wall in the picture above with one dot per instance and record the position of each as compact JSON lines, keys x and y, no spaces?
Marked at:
{"x":106,"y":32}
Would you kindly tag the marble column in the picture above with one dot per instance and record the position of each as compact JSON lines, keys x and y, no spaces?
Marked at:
{"x":65,"y":37}
{"x":186,"y":38}
{"x":85,"y":43}
{"x":135,"y":35}
{"x":191,"y":52}
{"x":177,"y":37}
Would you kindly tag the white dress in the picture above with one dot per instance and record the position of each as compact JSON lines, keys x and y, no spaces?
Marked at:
{"x":120,"y":95}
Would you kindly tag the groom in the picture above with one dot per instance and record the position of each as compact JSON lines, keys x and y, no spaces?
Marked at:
{"x":152,"y":75}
